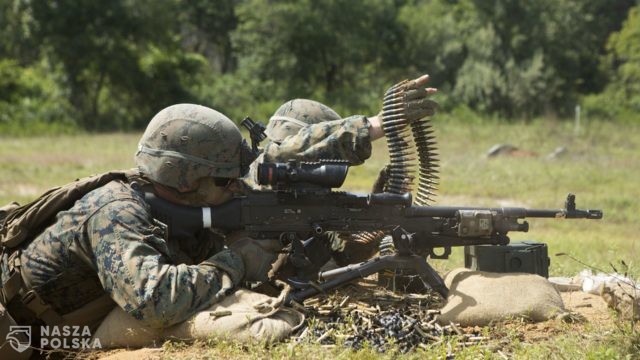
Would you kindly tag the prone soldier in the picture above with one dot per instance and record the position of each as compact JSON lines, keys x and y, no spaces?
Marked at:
{"x":102,"y":248}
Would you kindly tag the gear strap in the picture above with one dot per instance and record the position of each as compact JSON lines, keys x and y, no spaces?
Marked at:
{"x":14,"y":289}
{"x":12,"y":286}
{"x":40,"y":309}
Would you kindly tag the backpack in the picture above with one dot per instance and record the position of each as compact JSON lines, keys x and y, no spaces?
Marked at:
{"x":20,"y":224}
{"x":23,"y":222}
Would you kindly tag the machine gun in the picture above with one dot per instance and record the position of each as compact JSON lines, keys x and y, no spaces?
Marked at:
{"x":302,"y":210}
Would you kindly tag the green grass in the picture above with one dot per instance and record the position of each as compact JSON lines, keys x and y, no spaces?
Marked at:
{"x":602,"y":166}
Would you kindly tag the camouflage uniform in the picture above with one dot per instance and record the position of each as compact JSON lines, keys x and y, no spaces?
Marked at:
{"x":345,"y":139}
{"x":108,"y":241}
{"x":306,"y":130}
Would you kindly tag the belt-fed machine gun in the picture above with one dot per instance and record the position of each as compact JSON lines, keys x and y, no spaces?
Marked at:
{"x":301,"y":209}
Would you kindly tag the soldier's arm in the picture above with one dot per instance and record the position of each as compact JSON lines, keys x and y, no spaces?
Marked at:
{"x":346,"y":139}
{"x":135,"y":268}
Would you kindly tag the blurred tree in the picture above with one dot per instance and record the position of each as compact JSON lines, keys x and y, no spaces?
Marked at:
{"x":107,"y":51}
{"x":15,"y":40}
{"x":317,"y":48}
{"x":11,"y":86}
{"x":207,"y":28}
{"x":624,"y":57}
{"x":117,"y":63}
{"x":512,"y":57}
{"x":621,"y":98}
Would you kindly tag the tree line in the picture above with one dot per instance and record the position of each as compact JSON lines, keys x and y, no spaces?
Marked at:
{"x":111,"y":65}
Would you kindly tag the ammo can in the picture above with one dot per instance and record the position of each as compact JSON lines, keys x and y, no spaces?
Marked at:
{"x":524,"y":257}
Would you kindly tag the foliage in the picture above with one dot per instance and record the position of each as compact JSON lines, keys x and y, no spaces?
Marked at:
{"x":621,"y":98}
{"x":115,"y":64}
{"x":512,"y":57}
{"x":317,"y":49}
{"x":31,"y":102}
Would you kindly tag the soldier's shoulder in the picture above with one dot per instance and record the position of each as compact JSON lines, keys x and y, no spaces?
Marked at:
{"x":113,"y":191}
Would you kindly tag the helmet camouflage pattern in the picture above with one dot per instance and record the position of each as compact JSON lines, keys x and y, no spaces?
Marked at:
{"x":296,"y":114}
{"x":185,"y":142}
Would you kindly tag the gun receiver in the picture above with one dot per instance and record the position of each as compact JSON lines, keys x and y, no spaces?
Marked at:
{"x":303,"y":210}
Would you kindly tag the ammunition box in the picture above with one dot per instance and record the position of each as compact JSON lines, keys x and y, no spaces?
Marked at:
{"x":524,"y":257}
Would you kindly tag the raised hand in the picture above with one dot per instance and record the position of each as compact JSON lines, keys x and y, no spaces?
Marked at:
{"x":410,"y":99}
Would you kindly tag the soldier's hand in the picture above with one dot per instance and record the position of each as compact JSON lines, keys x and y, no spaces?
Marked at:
{"x":257,"y":255}
{"x":412,"y":98}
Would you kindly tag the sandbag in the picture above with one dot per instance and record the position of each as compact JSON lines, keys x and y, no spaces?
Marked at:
{"x":244,"y":316}
{"x":478,"y":298}
{"x":119,"y":329}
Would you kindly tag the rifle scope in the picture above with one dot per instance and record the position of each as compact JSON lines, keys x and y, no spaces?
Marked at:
{"x":323,"y":173}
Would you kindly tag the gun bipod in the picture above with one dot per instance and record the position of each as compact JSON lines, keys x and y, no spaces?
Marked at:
{"x":402,"y":260}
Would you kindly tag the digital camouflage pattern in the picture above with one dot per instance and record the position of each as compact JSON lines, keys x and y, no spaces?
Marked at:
{"x":296,"y":114}
{"x":108,"y":241}
{"x":186,"y":142}
{"x":345,"y":139}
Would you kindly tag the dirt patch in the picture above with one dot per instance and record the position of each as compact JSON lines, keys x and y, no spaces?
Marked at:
{"x":592,"y":307}
{"x":124,"y":354}
{"x":586,"y":311}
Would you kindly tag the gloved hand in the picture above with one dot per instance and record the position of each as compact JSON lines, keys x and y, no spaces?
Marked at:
{"x":411,"y":98}
{"x":257,"y":255}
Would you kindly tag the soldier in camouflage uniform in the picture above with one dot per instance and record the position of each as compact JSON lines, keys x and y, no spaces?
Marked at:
{"x":107,"y":249}
{"x":306,"y":130}
{"x":109,"y":243}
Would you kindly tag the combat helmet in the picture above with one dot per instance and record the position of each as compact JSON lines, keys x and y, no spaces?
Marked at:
{"x":296,"y":114}
{"x":185,"y":142}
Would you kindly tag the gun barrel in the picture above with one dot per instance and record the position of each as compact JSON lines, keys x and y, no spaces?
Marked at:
{"x":565,"y":214}
{"x":452,"y":211}
{"x":513,"y":212}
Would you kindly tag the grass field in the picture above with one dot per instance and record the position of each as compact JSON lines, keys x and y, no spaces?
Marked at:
{"x":601,"y":166}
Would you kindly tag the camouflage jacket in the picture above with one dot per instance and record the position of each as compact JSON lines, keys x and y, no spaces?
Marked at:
{"x":108,"y":241}
{"x":345,"y":139}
